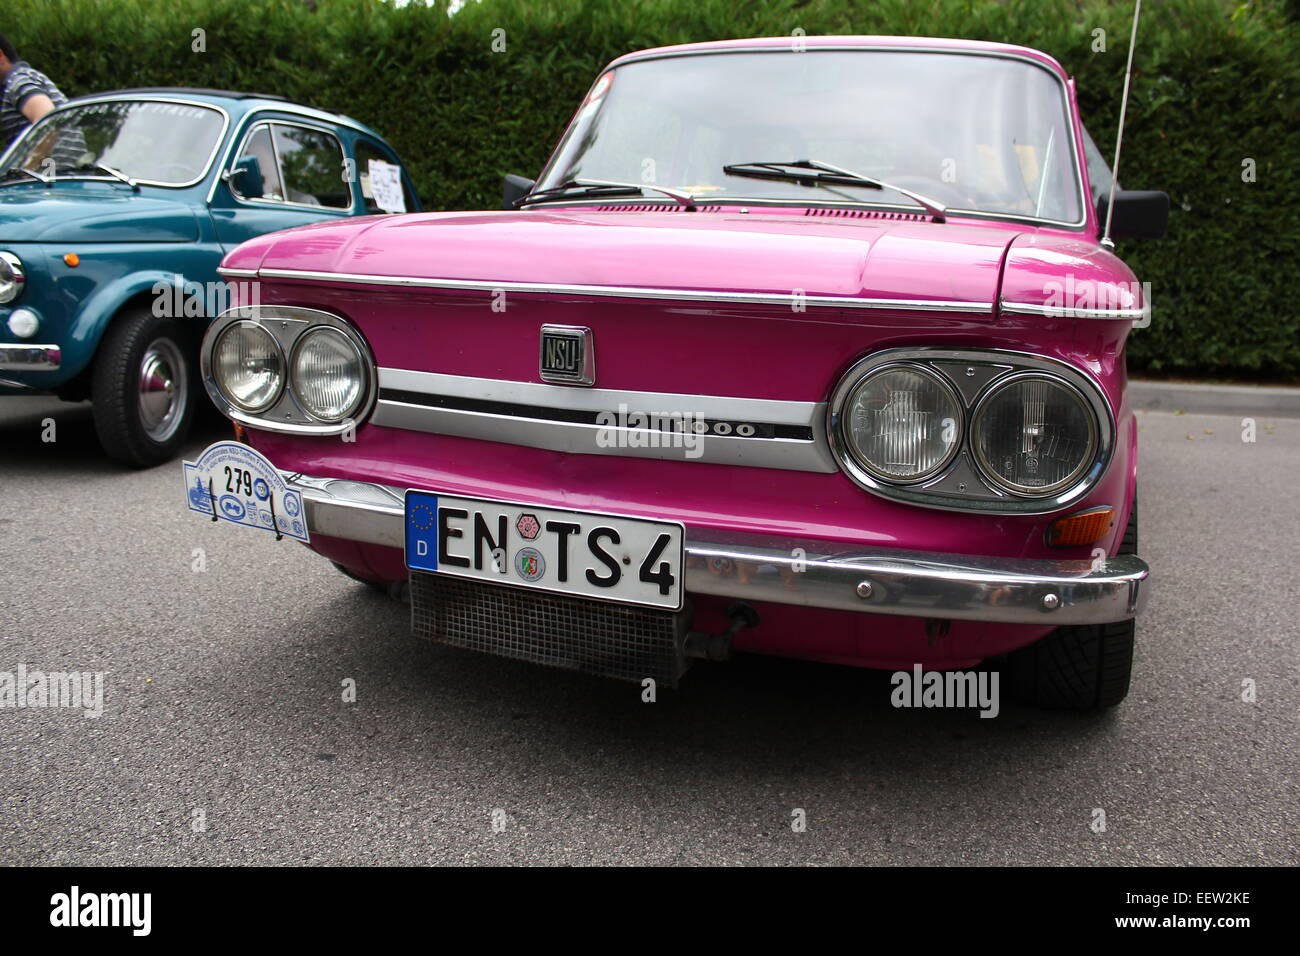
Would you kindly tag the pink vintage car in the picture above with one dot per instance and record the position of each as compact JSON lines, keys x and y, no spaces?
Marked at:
{"x":810,"y":347}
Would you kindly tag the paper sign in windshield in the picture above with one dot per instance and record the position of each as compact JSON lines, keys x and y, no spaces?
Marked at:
{"x":386,"y":185}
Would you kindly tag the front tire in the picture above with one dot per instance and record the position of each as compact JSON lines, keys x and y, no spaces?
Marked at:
{"x":1079,"y":668}
{"x":143,"y":389}
{"x":397,"y":590}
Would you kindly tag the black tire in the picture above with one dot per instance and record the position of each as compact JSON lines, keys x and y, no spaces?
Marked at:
{"x":143,"y":387}
{"x":380,"y":586}
{"x":1078,"y":668}
{"x":397,"y":590}
{"x":1130,"y":543}
{"x":1075,"y":668}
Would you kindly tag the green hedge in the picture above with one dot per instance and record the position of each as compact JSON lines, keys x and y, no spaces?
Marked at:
{"x":1218,"y":82}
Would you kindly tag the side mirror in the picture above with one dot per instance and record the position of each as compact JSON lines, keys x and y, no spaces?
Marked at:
{"x":245,"y":179}
{"x":514,"y":188}
{"x":1139,"y":214}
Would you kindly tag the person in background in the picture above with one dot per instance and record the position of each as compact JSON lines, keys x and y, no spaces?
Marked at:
{"x":27,"y":94}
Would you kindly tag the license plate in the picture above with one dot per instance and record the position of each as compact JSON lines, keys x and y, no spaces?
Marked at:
{"x":233,"y":482}
{"x":613,"y":558}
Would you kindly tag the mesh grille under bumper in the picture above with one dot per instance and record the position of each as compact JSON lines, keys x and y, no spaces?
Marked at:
{"x":595,"y":637}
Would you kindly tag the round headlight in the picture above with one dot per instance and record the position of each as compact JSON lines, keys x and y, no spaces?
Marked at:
{"x":902,"y":423}
{"x":328,"y":374}
{"x":248,"y":366}
{"x":12,"y":277}
{"x":1034,"y":435}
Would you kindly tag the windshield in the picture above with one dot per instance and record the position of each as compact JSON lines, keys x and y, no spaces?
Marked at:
{"x":165,"y":144}
{"x":981,"y":134}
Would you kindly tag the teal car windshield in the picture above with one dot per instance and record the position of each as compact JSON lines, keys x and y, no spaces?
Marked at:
{"x":982,"y":134}
{"x":150,"y":141}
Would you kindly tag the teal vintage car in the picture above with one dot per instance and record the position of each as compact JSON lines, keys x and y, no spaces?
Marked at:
{"x":115,"y":210}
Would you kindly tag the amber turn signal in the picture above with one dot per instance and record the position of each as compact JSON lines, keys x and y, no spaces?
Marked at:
{"x":72,"y":259}
{"x":1085,"y":527}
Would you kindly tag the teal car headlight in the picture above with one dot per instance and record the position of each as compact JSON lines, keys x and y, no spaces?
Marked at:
{"x":12,"y":277}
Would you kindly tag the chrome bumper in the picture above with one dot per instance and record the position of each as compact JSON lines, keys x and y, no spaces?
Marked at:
{"x":818,"y":574}
{"x":30,"y":358}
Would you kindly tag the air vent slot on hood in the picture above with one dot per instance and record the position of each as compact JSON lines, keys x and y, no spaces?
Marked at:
{"x":866,"y":214}
{"x":655,"y":207}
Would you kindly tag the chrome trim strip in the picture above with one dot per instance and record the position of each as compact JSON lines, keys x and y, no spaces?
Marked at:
{"x":600,"y":399}
{"x":823,"y":574}
{"x":237,"y":273}
{"x":30,"y":358}
{"x":1142,"y":314}
{"x":636,"y":292}
{"x":557,"y":433}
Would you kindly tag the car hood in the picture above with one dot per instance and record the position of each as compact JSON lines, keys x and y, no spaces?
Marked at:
{"x":91,"y":212}
{"x":812,"y":252}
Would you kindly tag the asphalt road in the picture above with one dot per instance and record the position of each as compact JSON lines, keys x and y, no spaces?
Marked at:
{"x":223,"y":696}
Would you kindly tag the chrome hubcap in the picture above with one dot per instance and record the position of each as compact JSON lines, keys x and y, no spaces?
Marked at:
{"x":162,"y":387}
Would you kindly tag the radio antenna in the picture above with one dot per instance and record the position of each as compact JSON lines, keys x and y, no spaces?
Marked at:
{"x":1119,"y":137}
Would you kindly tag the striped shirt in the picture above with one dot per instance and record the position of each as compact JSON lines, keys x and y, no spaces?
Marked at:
{"x":20,"y":85}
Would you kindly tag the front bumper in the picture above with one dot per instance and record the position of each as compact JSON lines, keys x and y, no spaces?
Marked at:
{"x":830,"y":575}
{"x":30,"y":358}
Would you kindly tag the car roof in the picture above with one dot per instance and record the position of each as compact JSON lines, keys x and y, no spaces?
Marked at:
{"x":832,"y":42}
{"x":189,"y":91}
{"x":226,"y":98}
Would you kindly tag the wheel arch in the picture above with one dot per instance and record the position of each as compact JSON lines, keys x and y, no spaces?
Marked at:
{"x":109,"y":301}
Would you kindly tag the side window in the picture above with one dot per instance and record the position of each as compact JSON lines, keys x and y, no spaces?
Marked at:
{"x":311,"y":164}
{"x":371,"y":161}
{"x":256,"y":174}
{"x":1098,"y":169}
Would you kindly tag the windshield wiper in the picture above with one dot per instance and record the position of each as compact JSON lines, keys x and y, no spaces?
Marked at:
{"x":824,"y":174}
{"x":578,"y":188}
{"x":23,"y":169}
{"x":115,"y":173}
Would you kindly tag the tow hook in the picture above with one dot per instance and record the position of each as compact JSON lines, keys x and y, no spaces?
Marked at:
{"x":717,"y":647}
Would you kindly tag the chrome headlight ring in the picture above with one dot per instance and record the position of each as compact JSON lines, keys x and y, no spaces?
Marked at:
{"x":13,"y":277}
{"x":977,"y":442}
{"x":309,"y":341}
{"x":962,"y":484}
{"x":857,"y":458}
{"x":287,"y":413}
